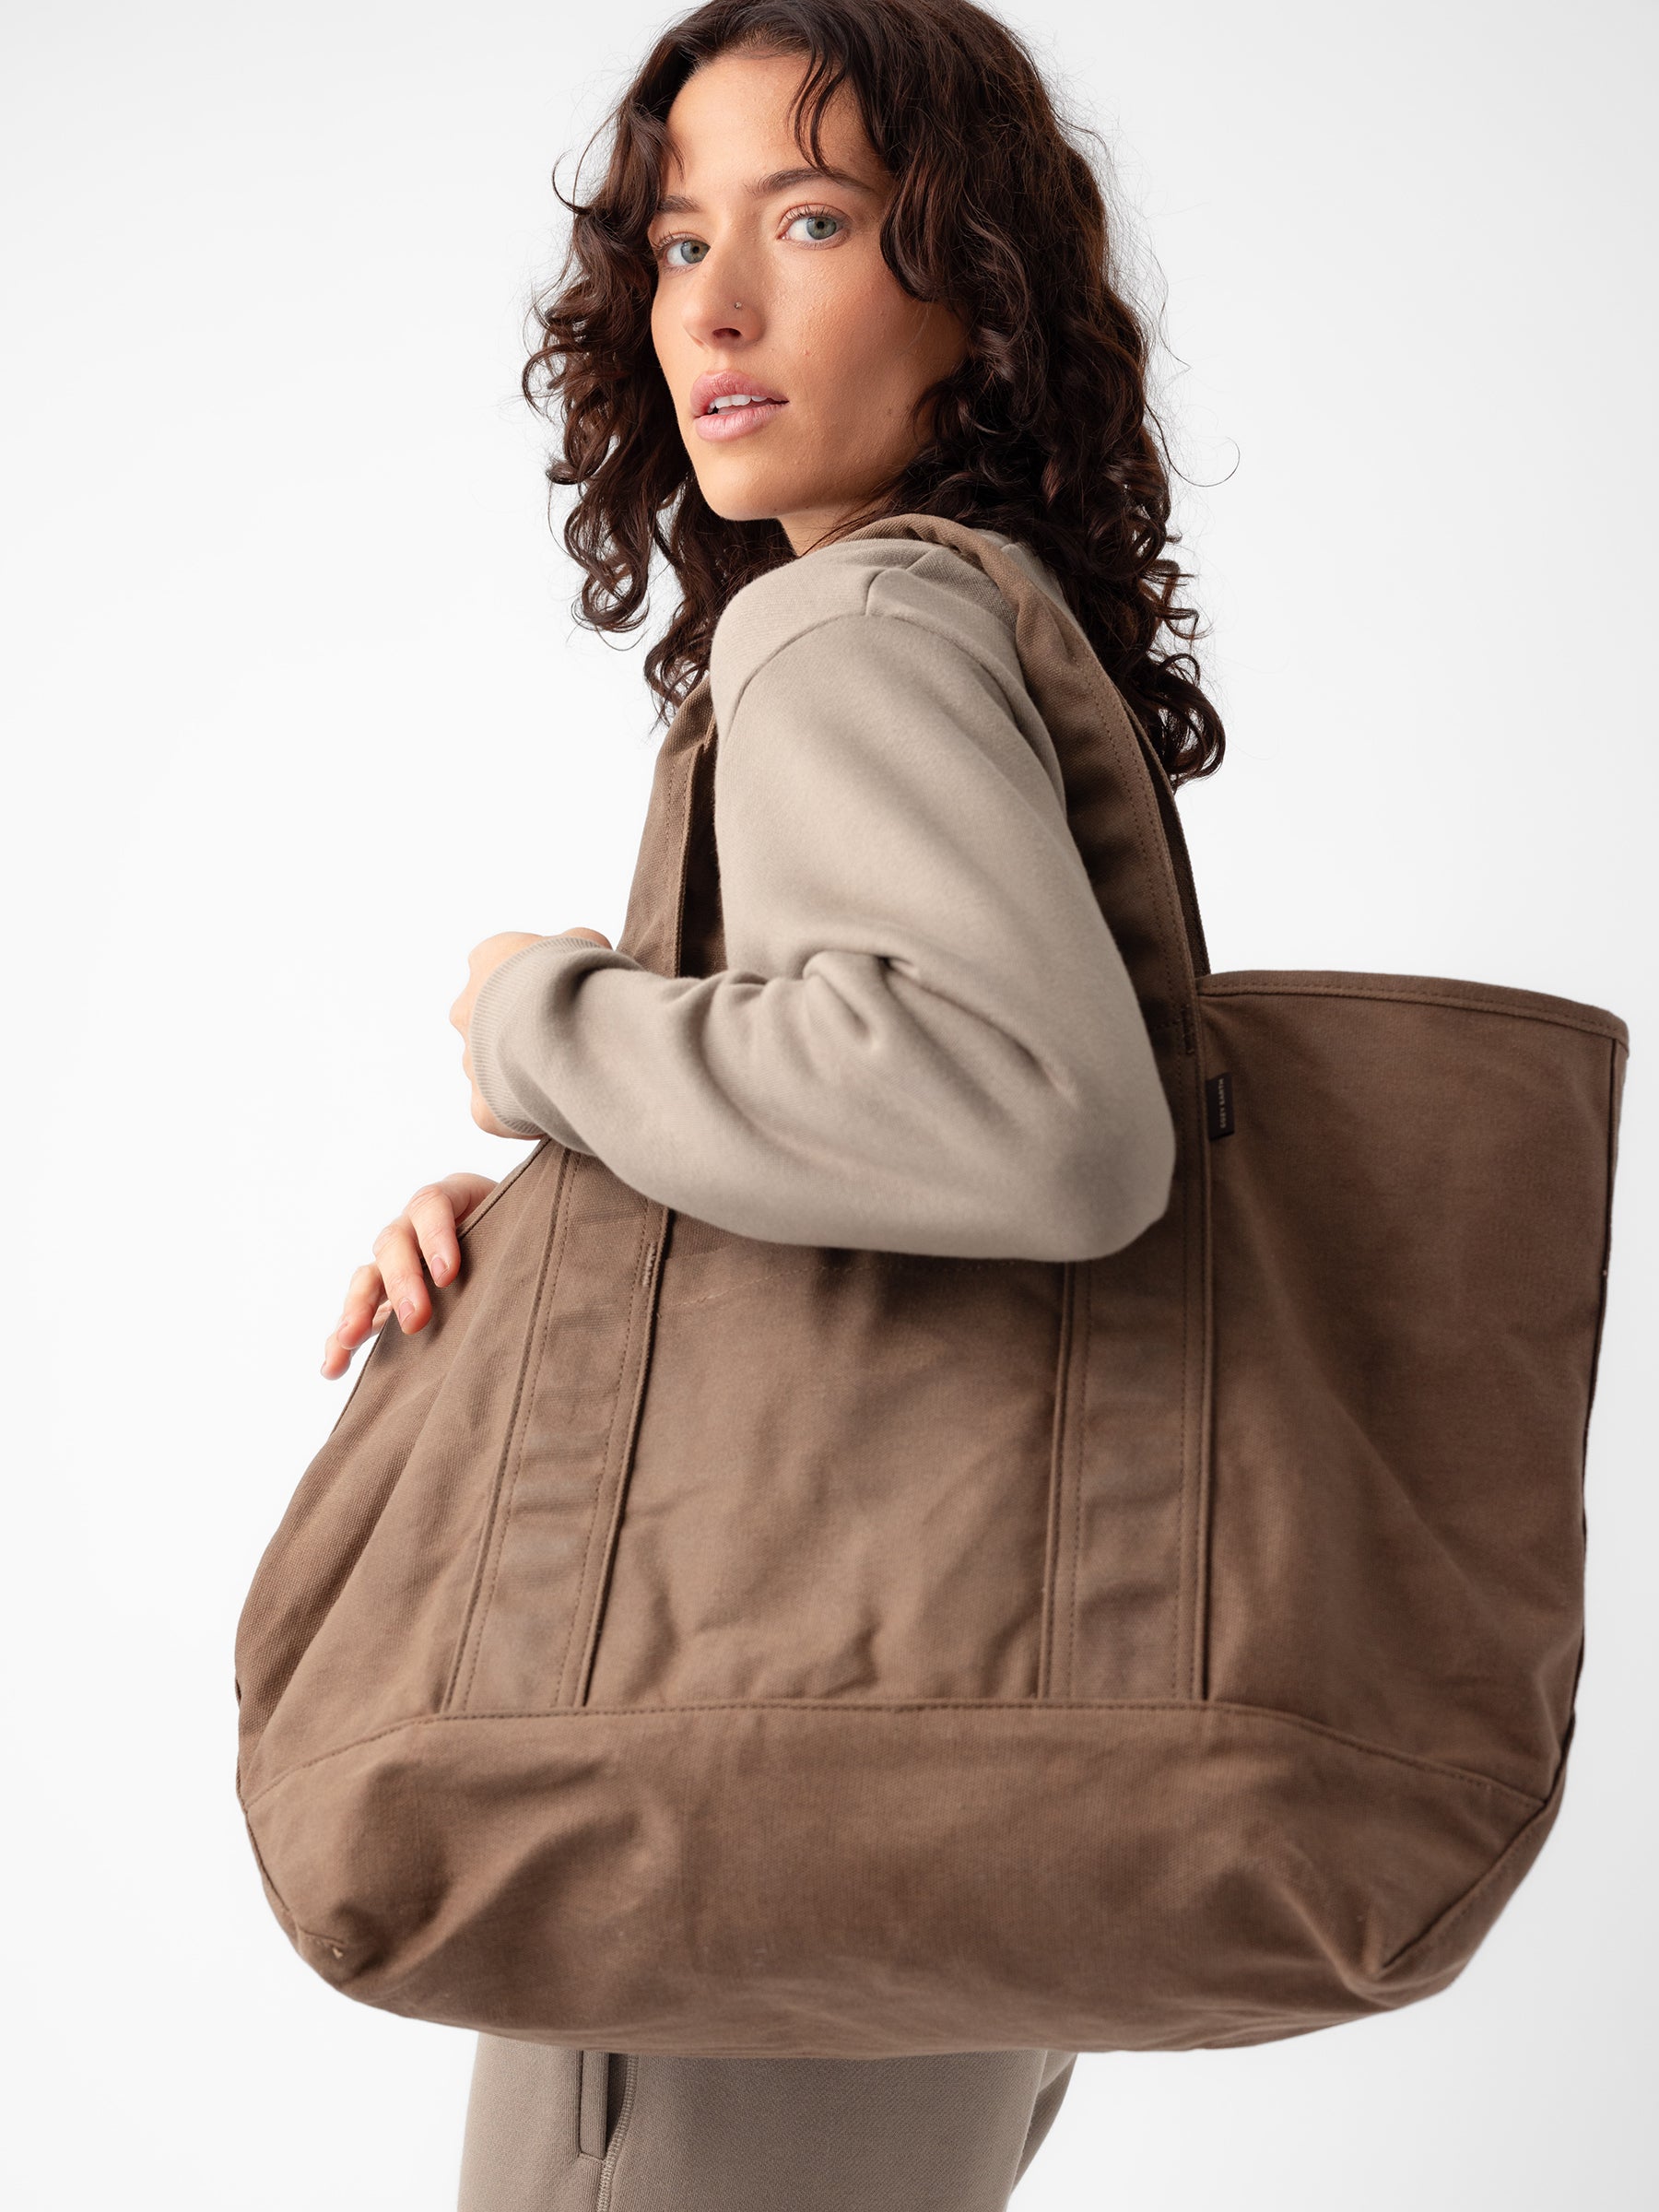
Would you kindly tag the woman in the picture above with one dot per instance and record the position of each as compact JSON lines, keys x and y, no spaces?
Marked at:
{"x":875,"y":280}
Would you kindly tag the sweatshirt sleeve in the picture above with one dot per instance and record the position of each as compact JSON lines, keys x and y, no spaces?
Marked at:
{"x":924,"y":1038}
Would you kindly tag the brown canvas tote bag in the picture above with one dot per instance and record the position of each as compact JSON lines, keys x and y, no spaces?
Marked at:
{"x":694,"y":1643}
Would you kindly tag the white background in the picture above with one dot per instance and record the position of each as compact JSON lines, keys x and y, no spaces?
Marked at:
{"x":299,"y":715}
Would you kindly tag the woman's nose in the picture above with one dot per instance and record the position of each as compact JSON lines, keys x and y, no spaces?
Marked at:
{"x":720,"y":301}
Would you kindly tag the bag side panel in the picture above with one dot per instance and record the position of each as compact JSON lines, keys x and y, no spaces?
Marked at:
{"x":1410,"y":1231}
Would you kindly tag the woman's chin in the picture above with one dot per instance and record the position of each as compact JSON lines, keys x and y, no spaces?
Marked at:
{"x":751,"y":495}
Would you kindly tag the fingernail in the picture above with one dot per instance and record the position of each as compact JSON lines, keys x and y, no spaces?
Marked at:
{"x":406,"y":1312}
{"x":440,"y":1267}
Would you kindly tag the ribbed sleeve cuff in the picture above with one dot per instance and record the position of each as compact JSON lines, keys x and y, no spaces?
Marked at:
{"x":508,"y":1036}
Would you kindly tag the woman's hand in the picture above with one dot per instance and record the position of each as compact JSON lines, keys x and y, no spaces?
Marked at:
{"x":481,"y":963}
{"x":393,"y":1281}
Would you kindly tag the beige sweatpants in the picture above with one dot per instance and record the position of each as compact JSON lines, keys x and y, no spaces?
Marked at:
{"x":555,"y":2130}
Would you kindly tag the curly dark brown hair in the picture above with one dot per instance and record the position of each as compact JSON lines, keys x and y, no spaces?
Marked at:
{"x":1044,"y":431}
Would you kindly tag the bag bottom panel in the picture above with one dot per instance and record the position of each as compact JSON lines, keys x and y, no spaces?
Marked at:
{"x":836,"y":1879}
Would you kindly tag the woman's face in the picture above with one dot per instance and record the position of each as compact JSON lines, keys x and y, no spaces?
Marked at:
{"x":769,"y":275}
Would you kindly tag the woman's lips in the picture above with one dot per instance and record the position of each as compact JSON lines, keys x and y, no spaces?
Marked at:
{"x":737,"y":422}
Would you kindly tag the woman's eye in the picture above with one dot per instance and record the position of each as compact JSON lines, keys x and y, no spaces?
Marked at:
{"x":813,"y":217}
{"x":822,"y":226}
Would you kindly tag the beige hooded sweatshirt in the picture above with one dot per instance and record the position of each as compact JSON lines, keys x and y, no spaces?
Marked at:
{"x":924,"y":1038}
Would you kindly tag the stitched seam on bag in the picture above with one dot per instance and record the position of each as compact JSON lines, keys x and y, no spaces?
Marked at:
{"x":501,"y":1496}
{"x":1470,"y":1899}
{"x":264,"y":1870}
{"x":511,"y":1177}
{"x":311,"y":1935}
{"x":1265,"y":1714}
{"x":1206,"y":1384}
{"x":1205,"y":1543}
{"x":1066,"y":1564}
{"x":1473,"y":1895}
{"x":1221,"y":989}
{"x":1077,"y":1481}
{"x":332,"y":1943}
{"x":629,"y":1336}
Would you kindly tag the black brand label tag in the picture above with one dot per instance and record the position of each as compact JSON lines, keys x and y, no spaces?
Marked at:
{"x":1219,"y":1101}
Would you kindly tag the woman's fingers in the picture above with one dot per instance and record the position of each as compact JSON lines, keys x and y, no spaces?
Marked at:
{"x":361,"y":1312}
{"x":370,"y":1299}
{"x":432,"y":1214}
{"x":422,"y":1237}
{"x":397,"y":1255}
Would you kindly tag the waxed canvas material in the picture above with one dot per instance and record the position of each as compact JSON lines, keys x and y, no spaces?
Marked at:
{"x":692,"y":1644}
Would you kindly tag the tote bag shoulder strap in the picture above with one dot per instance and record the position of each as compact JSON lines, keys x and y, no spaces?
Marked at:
{"x":1175,"y":838}
{"x":1120,"y":806}
{"x":1119,"y":801}
{"x":676,"y":815}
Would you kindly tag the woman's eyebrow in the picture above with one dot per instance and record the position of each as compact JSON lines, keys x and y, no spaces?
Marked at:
{"x":780,"y":179}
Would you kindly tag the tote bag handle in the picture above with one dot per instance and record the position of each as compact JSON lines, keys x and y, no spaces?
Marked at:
{"x":1119,"y":798}
{"x":1175,"y":838}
